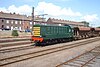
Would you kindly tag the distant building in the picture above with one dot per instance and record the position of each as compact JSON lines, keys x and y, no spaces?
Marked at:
{"x":65,"y":22}
{"x":11,"y":21}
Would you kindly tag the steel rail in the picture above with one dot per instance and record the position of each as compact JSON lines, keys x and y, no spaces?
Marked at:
{"x":16,"y":49}
{"x":14,"y":40}
{"x":77,"y":59}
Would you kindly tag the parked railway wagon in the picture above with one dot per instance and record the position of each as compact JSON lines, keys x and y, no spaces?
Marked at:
{"x":47,"y":34}
{"x":95,"y":31}
{"x":85,"y":32}
{"x":82,"y":32}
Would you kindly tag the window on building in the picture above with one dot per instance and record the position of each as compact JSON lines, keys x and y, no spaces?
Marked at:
{"x":30,"y":23}
{"x":12,"y":21}
{"x":34,"y":23}
{"x":16,"y":22}
{"x":59,"y":24}
{"x":11,"y":27}
{"x":20,"y":22}
{"x":7,"y":21}
{"x":30,"y":27}
{"x":7,"y":27}
{"x":20,"y":28}
{"x":2,"y":27}
{"x":16,"y":28}
{"x":2,"y":20}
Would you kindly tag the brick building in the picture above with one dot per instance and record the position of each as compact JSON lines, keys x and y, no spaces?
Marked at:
{"x":11,"y":21}
{"x":66,"y":22}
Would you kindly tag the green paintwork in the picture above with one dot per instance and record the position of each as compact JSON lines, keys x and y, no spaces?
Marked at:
{"x":55,"y":32}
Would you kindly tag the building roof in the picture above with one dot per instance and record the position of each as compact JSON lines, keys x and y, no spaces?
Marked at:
{"x":65,"y":22}
{"x":37,"y":18}
{"x":13,"y":16}
{"x":19,"y":17}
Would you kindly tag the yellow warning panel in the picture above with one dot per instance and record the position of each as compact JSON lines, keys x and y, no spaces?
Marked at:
{"x":36,"y":35}
{"x":36,"y":31}
{"x":36,"y":27}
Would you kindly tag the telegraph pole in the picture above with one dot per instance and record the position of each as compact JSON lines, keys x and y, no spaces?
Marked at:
{"x":32,"y":19}
{"x":33,"y":15}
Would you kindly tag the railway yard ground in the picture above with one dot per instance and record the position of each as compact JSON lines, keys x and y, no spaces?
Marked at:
{"x":81,"y":53}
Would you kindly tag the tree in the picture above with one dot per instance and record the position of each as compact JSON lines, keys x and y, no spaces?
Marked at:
{"x":15,"y":33}
{"x":85,"y":23}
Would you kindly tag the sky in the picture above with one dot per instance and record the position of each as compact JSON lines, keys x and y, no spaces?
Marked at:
{"x":73,"y":10}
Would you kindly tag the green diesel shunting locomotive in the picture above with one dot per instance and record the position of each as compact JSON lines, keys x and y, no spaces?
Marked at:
{"x":48,"y":34}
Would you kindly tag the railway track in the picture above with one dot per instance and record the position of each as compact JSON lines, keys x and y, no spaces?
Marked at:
{"x":16,"y":49}
{"x":18,"y":58}
{"x":14,"y":44}
{"x":12,"y":40}
{"x":83,"y":60}
{"x":9,"y":44}
{"x":20,"y":48}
